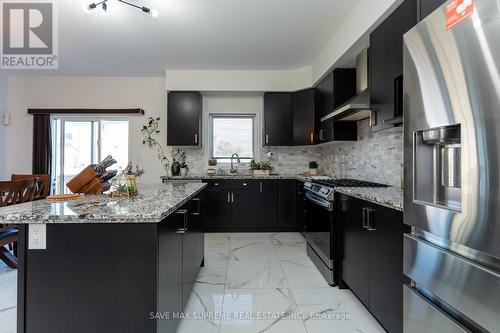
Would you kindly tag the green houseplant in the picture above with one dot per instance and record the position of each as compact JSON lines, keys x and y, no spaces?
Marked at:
{"x":313,"y":168}
{"x":150,"y":130}
{"x":179,"y":166}
{"x":260,"y":169}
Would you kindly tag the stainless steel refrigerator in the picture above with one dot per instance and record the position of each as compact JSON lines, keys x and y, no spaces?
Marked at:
{"x":452,"y":170}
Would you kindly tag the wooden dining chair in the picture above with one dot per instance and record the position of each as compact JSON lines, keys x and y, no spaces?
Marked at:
{"x":42,"y":183}
{"x":12,"y":193}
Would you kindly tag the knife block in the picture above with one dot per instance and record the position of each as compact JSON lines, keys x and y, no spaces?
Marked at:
{"x":88,"y":181}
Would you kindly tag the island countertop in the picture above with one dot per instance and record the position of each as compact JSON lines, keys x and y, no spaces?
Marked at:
{"x":151,"y":205}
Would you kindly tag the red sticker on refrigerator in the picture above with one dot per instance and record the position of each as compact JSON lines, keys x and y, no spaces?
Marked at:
{"x":457,"y":11}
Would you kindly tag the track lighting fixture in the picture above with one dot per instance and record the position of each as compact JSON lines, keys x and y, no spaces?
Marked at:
{"x":103,"y":4}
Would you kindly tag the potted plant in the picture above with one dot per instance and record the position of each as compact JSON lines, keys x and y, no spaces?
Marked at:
{"x":150,"y":130}
{"x":175,"y":168}
{"x":179,"y":166}
{"x":313,"y":168}
{"x":260,"y":169}
{"x":184,"y":169}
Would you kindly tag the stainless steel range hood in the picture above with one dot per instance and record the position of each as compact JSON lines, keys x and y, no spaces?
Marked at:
{"x":358,"y":107}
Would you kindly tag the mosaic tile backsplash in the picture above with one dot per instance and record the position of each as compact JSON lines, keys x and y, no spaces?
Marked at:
{"x":374,"y":157}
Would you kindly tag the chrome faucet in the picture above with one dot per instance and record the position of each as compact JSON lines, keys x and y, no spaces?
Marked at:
{"x":234,"y":169}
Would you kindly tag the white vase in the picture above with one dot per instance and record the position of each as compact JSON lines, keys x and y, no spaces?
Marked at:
{"x":184,"y":171}
{"x":313,"y":171}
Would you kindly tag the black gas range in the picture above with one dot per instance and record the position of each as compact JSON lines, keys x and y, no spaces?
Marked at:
{"x":321,"y":228}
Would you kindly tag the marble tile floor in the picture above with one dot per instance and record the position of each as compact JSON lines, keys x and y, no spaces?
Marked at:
{"x":8,"y":299}
{"x":264,"y":282}
{"x":251,"y":282}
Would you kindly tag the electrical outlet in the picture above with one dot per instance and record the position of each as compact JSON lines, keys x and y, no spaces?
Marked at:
{"x":37,"y":237}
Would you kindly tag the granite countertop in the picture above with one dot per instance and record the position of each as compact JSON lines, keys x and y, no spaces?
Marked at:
{"x":151,"y":205}
{"x":391,"y":197}
{"x":238,"y":176}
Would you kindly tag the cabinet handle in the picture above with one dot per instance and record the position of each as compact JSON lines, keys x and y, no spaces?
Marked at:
{"x":184,"y":228}
{"x":198,"y":206}
{"x":363,"y":223}
{"x":196,"y":138}
{"x":267,"y":138}
{"x":312,"y":137}
{"x":321,"y":134}
{"x":373,"y":118}
{"x":369,"y":226}
{"x":228,"y":197}
{"x":260,"y":187}
{"x":232,"y":197}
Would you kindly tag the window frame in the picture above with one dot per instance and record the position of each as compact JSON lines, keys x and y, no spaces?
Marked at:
{"x":212,"y":116}
{"x":58,"y":127}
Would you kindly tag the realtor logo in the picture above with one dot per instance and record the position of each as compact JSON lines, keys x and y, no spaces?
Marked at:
{"x":29,"y":35}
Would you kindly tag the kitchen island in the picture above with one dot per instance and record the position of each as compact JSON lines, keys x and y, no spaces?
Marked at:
{"x":102,"y":264}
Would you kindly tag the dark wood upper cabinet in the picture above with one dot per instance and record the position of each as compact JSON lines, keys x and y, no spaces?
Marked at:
{"x":386,"y":65}
{"x":278,"y":119}
{"x":428,"y":6}
{"x":294,"y":119}
{"x":324,"y":96}
{"x":303,"y":118}
{"x":184,"y":115}
{"x":382,"y":73}
{"x":331,"y":92}
{"x":405,"y":18}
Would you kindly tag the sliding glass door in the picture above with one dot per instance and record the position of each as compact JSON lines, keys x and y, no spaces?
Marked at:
{"x":79,"y":141}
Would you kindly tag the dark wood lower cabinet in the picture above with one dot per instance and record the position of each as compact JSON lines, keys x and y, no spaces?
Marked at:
{"x":251,"y":205}
{"x":287,"y":202}
{"x":242,"y":208}
{"x":110,"y":277}
{"x":355,"y":254}
{"x":267,"y":202}
{"x":372,"y":258}
{"x":171,"y":286}
{"x":386,"y":262}
{"x":216,"y":209}
{"x":300,"y":206}
{"x":193,"y":243}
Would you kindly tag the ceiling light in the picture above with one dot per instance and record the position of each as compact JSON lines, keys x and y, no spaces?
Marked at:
{"x":153,"y":12}
{"x":89,"y":7}
{"x":104,"y":8}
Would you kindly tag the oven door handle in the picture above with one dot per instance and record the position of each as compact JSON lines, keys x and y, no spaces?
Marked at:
{"x":324,"y":204}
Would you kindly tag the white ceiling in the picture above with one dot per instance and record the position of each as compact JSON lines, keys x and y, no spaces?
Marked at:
{"x":195,"y":34}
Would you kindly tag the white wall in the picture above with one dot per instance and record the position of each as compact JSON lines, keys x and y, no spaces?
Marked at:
{"x":233,"y":102}
{"x":26,"y":92}
{"x":365,"y":16}
{"x":3,"y":106}
{"x":229,"y":80}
